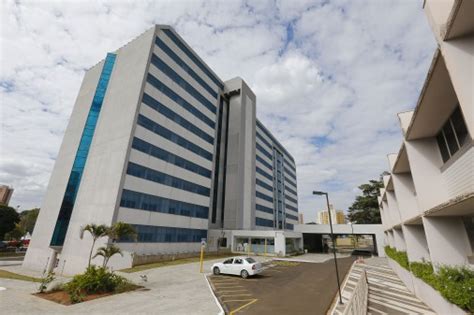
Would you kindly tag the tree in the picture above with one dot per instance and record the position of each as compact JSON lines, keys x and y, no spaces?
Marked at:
{"x":8,"y":218}
{"x":116,"y":231}
{"x":365,"y":209}
{"x":107,"y":252}
{"x":96,"y":231}
{"x":16,"y":234}
{"x":121,"y":230}
{"x":28,"y":219}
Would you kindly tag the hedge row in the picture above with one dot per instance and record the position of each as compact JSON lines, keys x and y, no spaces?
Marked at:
{"x":456,"y":284}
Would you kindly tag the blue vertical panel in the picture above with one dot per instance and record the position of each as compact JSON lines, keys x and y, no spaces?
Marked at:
{"x":74,"y":181}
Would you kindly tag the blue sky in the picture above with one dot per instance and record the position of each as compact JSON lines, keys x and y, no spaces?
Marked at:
{"x":329,"y":77}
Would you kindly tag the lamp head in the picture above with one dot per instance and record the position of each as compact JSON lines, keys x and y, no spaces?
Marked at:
{"x":319,"y":193}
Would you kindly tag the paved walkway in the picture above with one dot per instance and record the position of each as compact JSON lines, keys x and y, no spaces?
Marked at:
{"x":179,"y":289}
{"x":387,"y":293}
{"x":312,"y":257}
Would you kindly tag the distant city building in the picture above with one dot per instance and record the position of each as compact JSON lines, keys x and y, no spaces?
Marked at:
{"x":5,"y":194}
{"x":301,"y":219}
{"x":337,"y":216}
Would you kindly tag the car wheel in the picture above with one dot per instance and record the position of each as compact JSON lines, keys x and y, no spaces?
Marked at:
{"x":244,"y":274}
{"x":216,"y":271}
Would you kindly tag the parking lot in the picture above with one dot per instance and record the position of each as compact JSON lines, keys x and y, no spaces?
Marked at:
{"x":283,"y":287}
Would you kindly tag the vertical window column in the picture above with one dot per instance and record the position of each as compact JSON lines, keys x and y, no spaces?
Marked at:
{"x":75,"y":176}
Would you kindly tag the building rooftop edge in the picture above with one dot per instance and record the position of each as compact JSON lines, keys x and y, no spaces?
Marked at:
{"x":433,"y":64}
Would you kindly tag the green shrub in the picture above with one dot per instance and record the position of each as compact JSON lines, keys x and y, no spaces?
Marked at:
{"x":45,"y":281}
{"x":454,"y":283}
{"x":425,"y":271}
{"x":96,"y":280}
{"x":457,"y":286}
{"x":400,"y":257}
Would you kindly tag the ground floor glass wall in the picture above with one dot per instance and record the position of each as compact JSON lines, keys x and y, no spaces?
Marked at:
{"x":254,"y":245}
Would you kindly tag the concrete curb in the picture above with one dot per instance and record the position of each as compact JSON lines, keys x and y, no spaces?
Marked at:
{"x":222,"y":312}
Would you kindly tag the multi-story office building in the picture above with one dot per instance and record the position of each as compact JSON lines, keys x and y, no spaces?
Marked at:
{"x":157,"y":140}
{"x":5,"y":194}
{"x":427,"y":204}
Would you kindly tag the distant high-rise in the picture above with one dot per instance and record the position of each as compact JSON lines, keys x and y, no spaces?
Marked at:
{"x":156,"y":139}
{"x":5,"y":194}
{"x":301,"y":219}
{"x":337,"y":216}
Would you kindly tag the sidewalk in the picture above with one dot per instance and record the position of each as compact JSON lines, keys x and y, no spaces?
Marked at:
{"x":179,"y":289}
{"x":387,"y":293}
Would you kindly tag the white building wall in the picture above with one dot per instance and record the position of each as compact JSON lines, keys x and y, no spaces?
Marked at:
{"x":425,"y":162}
{"x":416,"y":244}
{"x":39,"y":253}
{"x":100,"y":187}
{"x":406,"y":196}
{"x":459,"y":176}
{"x":447,"y":240}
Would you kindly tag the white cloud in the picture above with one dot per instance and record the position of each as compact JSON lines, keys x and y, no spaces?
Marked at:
{"x":329,"y":77}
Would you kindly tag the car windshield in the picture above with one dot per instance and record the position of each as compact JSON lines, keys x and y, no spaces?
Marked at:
{"x":250,"y":260}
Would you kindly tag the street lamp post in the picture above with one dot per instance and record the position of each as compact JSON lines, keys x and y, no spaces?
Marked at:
{"x":320,"y":193}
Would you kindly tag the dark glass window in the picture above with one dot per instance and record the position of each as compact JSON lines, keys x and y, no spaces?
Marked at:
{"x":75,"y":176}
{"x":185,"y":67}
{"x":453,"y":135}
{"x":261,"y":128}
{"x":164,"y":234}
{"x":264,"y":185}
{"x":179,"y":100}
{"x":165,"y":179}
{"x":264,"y":209}
{"x":265,"y":152}
{"x":157,"y":62}
{"x":290,"y":190}
{"x":265,"y":174}
{"x":442,"y":146}
{"x":191,"y":56}
{"x":292,"y":175}
{"x":263,"y":196}
{"x":136,"y":200}
{"x":171,"y":115}
{"x":145,"y":147}
{"x":459,"y":126}
{"x":268,"y":165}
{"x":171,"y":136}
{"x":263,"y":222}
{"x":290,"y":181}
{"x":259,"y":136}
{"x":450,"y":138}
{"x":291,"y":199}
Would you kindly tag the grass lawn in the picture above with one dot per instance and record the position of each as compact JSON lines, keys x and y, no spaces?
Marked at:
{"x":10,"y":275}
{"x":173,"y":262}
{"x":11,"y":254}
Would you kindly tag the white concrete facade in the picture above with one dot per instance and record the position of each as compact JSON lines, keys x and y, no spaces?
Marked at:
{"x":427,"y":203}
{"x":172,"y":152}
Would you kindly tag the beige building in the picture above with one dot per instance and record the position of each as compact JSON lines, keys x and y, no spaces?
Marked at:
{"x":301,"y":219}
{"x":427,"y":203}
{"x":337,"y":216}
{"x":5,"y":194}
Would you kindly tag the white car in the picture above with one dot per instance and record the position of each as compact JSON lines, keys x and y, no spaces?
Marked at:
{"x":239,"y":266}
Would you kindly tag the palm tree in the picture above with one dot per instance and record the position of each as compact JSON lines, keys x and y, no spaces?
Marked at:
{"x":97,"y":231}
{"x":107,"y":252}
{"x":121,"y":230}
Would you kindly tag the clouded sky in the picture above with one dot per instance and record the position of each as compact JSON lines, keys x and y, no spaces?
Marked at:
{"x":329,"y":77}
